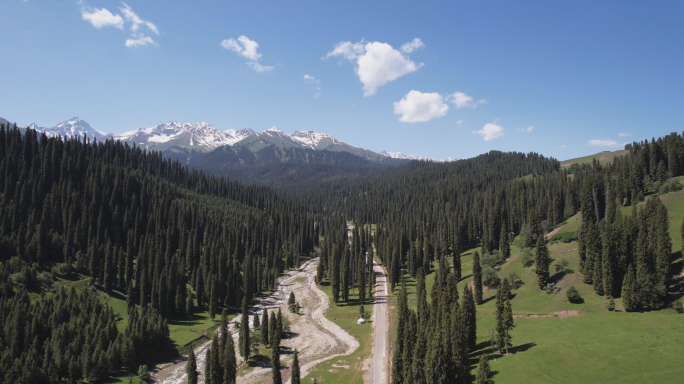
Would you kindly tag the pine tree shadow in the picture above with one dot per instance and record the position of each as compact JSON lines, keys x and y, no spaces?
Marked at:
{"x":289,"y":335}
{"x":521,"y":348}
{"x":487,"y":300}
{"x":260,"y":361}
{"x":558,"y":276}
{"x":465,"y":277}
{"x":474,"y":357}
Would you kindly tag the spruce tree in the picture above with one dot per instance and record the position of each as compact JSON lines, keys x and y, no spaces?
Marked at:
{"x":255,"y":322}
{"x":484,"y":374}
{"x":295,"y":378}
{"x":500,"y":321}
{"x":477,"y":278}
{"x":507,"y":313}
{"x":265,"y":328}
{"x":229,"y":362}
{"x":504,"y":246}
{"x":280,"y":322}
{"x":243,"y":335}
{"x":629,"y":292}
{"x":469,"y":316}
{"x":191,"y":367}
{"x":542,"y":263}
{"x":275,"y":365}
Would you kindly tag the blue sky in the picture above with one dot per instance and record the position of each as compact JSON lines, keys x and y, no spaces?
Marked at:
{"x":580,"y":73}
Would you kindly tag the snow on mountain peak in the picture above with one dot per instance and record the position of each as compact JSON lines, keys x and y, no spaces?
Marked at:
{"x":399,"y":155}
{"x":276,"y":130}
{"x":310,"y":138}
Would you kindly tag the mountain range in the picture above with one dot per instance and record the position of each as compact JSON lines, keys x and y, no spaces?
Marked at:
{"x":186,"y":138}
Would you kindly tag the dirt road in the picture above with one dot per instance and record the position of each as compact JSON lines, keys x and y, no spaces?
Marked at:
{"x":316,"y":338}
{"x":379,"y":371}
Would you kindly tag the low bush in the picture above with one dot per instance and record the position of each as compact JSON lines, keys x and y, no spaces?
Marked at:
{"x":565,"y":237}
{"x":527,"y":257}
{"x":489,"y":277}
{"x":573,"y":295}
{"x":491,"y":259}
{"x":515,"y":280}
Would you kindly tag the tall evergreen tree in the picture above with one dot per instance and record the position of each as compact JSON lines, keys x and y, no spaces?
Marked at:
{"x":295,"y":378}
{"x":229,"y":362}
{"x":191,"y":367}
{"x":275,"y":365}
{"x":265,"y":328}
{"x":469,"y":316}
{"x":484,"y":374}
{"x":243,"y":335}
{"x":542,"y":263}
{"x":630,"y":298}
{"x":477,"y":278}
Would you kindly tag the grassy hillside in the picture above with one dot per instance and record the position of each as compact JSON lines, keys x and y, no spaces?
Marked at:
{"x":602,"y":157}
{"x":591,"y":345}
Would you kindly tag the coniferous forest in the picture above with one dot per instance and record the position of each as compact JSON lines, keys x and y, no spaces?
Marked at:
{"x":170,"y":238}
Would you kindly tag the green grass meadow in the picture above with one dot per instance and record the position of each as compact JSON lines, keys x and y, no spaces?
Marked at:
{"x":596,"y":347}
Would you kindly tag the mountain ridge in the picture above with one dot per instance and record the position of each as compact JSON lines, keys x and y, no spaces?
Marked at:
{"x":203,"y":137}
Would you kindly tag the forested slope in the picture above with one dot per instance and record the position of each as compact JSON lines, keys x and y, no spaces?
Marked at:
{"x":133,"y":222}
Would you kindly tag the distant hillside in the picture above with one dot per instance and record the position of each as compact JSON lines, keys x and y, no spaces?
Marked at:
{"x":602,"y":157}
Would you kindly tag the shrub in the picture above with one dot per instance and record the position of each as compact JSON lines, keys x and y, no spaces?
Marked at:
{"x":527,"y":257}
{"x":573,"y":295}
{"x":670,"y":186}
{"x":561,"y":265}
{"x":143,"y":374}
{"x":491,"y":259}
{"x":550,"y":288}
{"x":611,"y":304}
{"x":489,"y":277}
{"x":45,"y":279}
{"x":565,"y":237}
{"x":678,"y":306}
{"x":515,"y":280}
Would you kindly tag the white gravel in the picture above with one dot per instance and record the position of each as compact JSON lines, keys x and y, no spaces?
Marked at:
{"x":316,"y":338}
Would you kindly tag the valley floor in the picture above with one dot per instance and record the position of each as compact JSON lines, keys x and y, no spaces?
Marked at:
{"x":316,"y":338}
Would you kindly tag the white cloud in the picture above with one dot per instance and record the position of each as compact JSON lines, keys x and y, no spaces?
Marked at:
{"x":420,"y":107}
{"x":602,"y":143}
{"x":258,"y":67}
{"x":315,"y":82}
{"x":136,"y":21}
{"x":562,"y":146}
{"x":490,"y":131}
{"x":246,"y":48}
{"x":625,"y":134}
{"x":102,"y":18}
{"x":140,"y":41}
{"x":459,"y":123}
{"x":461,"y":100}
{"x":347,"y":50}
{"x":376,"y":63}
{"x":526,"y":130}
{"x":412,"y":45}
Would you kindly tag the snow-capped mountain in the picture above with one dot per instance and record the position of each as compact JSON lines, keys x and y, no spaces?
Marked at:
{"x":203,"y":137}
{"x":311,"y":139}
{"x":3,"y":121}
{"x":200,"y":136}
{"x":236,"y":136}
{"x":69,"y":128}
{"x":399,"y":155}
